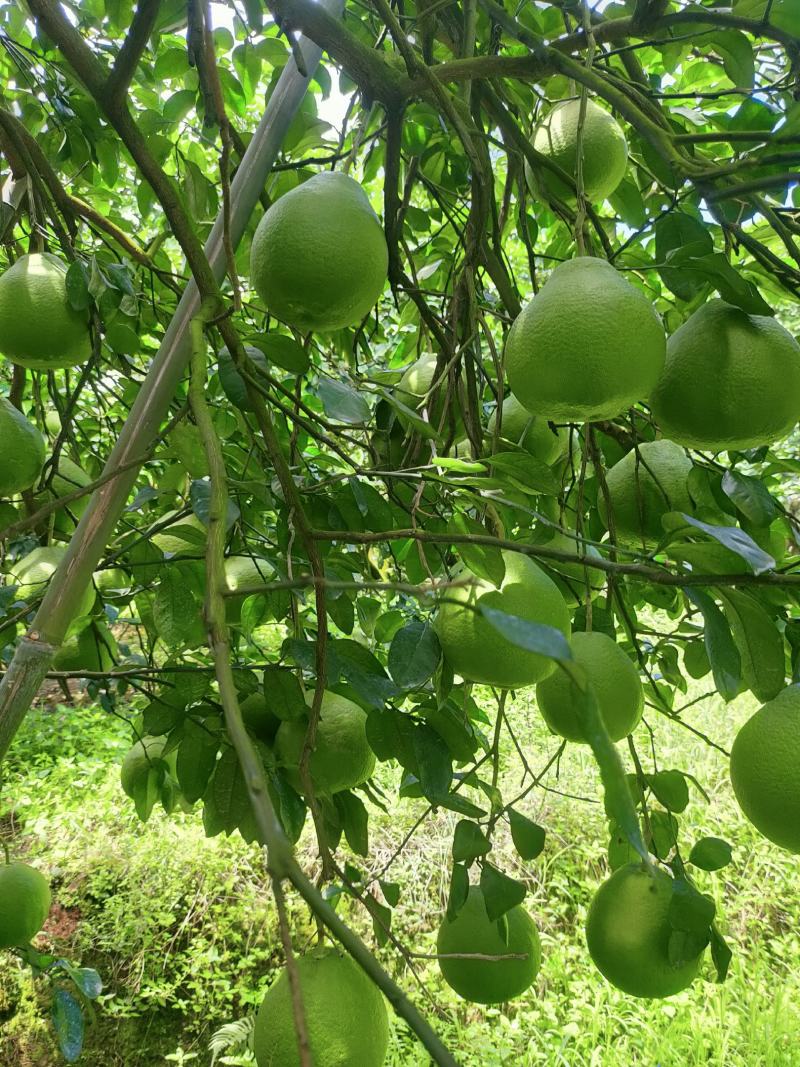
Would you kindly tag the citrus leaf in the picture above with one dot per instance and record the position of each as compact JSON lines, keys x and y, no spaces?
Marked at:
{"x":342,"y":403}
{"x":284,"y":694}
{"x":751,"y":497}
{"x":500,"y":893}
{"x":759,"y":642}
{"x":528,"y":836}
{"x":711,"y":854}
{"x":68,"y":1024}
{"x":670,"y":789}
{"x":469,"y":842}
{"x":737,"y":541}
{"x":726,"y":663}
{"x":532,"y":636}
{"x":459,"y":889}
{"x":414,"y":654}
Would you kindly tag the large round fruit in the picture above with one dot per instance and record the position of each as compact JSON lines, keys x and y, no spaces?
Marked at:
{"x":475,"y":649}
{"x":319,"y":256}
{"x":643,"y":488}
{"x":33,"y":572}
{"x":139,"y":759}
{"x":765,"y":769}
{"x":342,"y":757}
{"x":241,"y":571}
{"x":530,"y":432}
{"x":614,"y":681}
{"x":24,"y":904}
{"x":22,"y":451}
{"x":345,"y":1014}
{"x":93,"y":649}
{"x":472,"y":931}
{"x":605,"y":150}
{"x":628,"y":933}
{"x":574,"y":580}
{"x":258,"y":718}
{"x":38,"y":327}
{"x":731,"y":381}
{"x":413,"y":389}
{"x":586,"y":347}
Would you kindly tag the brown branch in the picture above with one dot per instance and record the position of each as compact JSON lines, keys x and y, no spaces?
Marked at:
{"x":142,"y":25}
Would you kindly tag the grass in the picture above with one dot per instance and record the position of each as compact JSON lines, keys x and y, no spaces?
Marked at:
{"x":183,"y":931}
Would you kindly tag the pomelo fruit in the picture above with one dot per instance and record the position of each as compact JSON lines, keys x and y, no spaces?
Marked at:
{"x":586,"y":347}
{"x":342,"y":757}
{"x":731,"y":381}
{"x":319,"y":256}
{"x":628,"y":933}
{"x":93,"y":649}
{"x":413,"y":389}
{"x":66,"y":480}
{"x":573,"y":579}
{"x":642,"y":489}
{"x":112,"y":581}
{"x":472,"y":931}
{"x":24,"y":904}
{"x":765,"y":769}
{"x":605,"y":151}
{"x":22,"y":451}
{"x":33,"y":572}
{"x":614,"y":681}
{"x":345,"y":1014}
{"x":475,"y":649}
{"x":258,"y":718}
{"x":140,"y":758}
{"x":38,"y":327}
{"x":242,"y":571}
{"x":530,"y":432}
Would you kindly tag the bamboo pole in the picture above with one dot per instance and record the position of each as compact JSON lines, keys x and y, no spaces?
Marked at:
{"x":36,"y":650}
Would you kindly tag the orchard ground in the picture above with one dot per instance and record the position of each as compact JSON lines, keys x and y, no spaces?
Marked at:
{"x":183,"y":929}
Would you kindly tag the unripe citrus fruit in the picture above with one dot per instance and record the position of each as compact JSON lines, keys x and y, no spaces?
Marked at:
{"x":605,"y":150}
{"x":472,"y":931}
{"x":112,"y":581}
{"x":22,"y":451}
{"x":413,"y":389}
{"x":475,"y":649}
{"x":530,"y":432}
{"x":38,"y":327}
{"x":765,"y":769}
{"x":573,"y":579}
{"x":345,"y":1014}
{"x":643,"y":488}
{"x":586,"y":347}
{"x":93,"y":649}
{"x":258,"y":718}
{"x":241,"y":571}
{"x":24,"y":904}
{"x":139,"y":759}
{"x":628,"y":932}
{"x":33,"y":572}
{"x":319,"y":256}
{"x":342,"y":757}
{"x":731,"y":381}
{"x":614,"y":681}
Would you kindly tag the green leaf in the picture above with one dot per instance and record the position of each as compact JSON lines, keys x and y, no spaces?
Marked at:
{"x":670,"y":789}
{"x":197,"y":756}
{"x":715,"y":269}
{"x":711,"y":854}
{"x":500,"y":893}
{"x":284,"y":694}
{"x":720,"y":954}
{"x":434,"y":762}
{"x":355,"y":821}
{"x":759,"y":642}
{"x":751,"y":497}
{"x":229,"y":791}
{"x":723,"y":655}
{"x":677,"y":230}
{"x":469,"y":842}
{"x":414,"y":654}
{"x":77,"y":282}
{"x":483,"y":560}
{"x":342,"y":403}
{"x":737,"y":56}
{"x":67,"y":1023}
{"x":200,"y":497}
{"x":737,"y":541}
{"x":176,"y":613}
{"x":528,"y":836}
{"x":689,"y":910}
{"x":282,"y":351}
{"x":232,"y":382}
{"x":532,"y":636}
{"x":459,"y":889}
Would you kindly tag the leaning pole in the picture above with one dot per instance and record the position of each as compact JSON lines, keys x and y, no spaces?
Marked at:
{"x":35,"y":652}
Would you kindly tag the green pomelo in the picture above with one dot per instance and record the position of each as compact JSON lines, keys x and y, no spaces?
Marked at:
{"x":139,"y":759}
{"x":67,"y":479}
{"x":93,"y":649}
{"x":319,"y":256}
{"x":475,"y":649}
{"x":588,"y":346}
{"x":614,"y":680}
{"x":33,"y":572}
{"x":530,"y":432}
{"x":342,"y":757}
{"x":413,"y":391}
{"x":628,"y":933}
{"x":644,"y":488}
{"x":731,"y":381}
{"x":24,"y":904}
{"x":604,"y":149}
{"x":112,"y":581}
{"x":258,"y":718}
{"x":243,"y":571}
{"x":765,"y":769}
{"x":346,"y":1017}
{"x":38,"y":327}
{"x":573,"y":579}
{"x":22,"y":451}
{"x":472,"y":931}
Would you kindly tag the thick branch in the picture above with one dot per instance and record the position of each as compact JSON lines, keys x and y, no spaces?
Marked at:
{"x":133,"y":46}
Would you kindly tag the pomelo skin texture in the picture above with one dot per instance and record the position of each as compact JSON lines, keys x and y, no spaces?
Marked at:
{"x":529,"y":432}
{"x":319,"y":256}
{"x":24,"y":904}
{"x":614,"y":681}
{"x":628,"y":933}
{"x":477,"y":650}
{"x":731,"y":381}
{"x":605,"y":150}
{"x":642,"y":490}
{"x":93,"y":649}
{"x":38,"y":327}
{"x":346,"y":1017}
{"x":489,"y":981}
{"x":32,"y":573}
{"x":765,"y":769}
{"x":586,"y":347}
{"x":342,"y":758}
{"x":413,"y":389}
{"x":22,"y":451}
